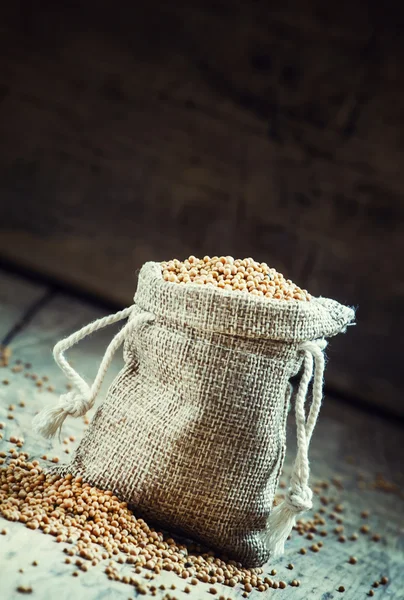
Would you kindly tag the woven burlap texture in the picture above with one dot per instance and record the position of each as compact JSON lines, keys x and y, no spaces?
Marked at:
{"x":192,"y":431}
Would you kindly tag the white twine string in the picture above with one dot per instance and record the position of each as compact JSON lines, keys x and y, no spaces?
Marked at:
{"x":79,"y":400}
{"x":299,"y":495}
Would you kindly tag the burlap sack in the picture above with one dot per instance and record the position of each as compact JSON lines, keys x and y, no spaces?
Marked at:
{"x":192,"y":431}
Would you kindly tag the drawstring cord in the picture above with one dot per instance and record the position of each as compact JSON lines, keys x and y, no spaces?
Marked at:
{"x":299,"y":495}
{"x":79,"y":400}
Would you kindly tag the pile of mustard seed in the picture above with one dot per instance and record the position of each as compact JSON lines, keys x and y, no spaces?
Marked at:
{"x":239,"y":275}
{"x":100,"y":527}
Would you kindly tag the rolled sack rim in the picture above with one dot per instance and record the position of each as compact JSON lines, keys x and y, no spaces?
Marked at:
{"x":238,"y":314}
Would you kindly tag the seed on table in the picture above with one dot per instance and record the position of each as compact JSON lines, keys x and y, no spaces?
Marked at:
{"x":341,"y":588}
{"x":248,"y":587}
{"x":342,"y":539}
{"x":290,"y":566}
{"x":354,"y":537}
{"x":320,"y":544}
{"x":295,"y":583}
{"x":282,"y":585}
{"x":384,"y":580}
{"x":2,"y":425}
{"x":376,"y":537}
{"x":353,"y":560}
{"x":24,"y":589}
{"x":187,"y":589}
{"x":364,"y":529}
{"x":275,"y":585}
{"x":273,"y":572}
{"x":314,"y":548}
{"x":212,"y":590}
{"x":365,"y":514}
{"x":303,"y":551}
{"x":55,"y":459}
{"x":375,"y":584}
{"x":371,"y":593}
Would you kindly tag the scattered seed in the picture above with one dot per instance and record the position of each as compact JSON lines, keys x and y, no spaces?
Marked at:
{"x":376,"y":537}
{"x":364,"y":529}
{"x":24,"y":589}
{"x":303,"y":551}
{"x":384,"y":580}
{"x":353,"y":560}
{"x":341,"y":588}
{"x":371,"y":593}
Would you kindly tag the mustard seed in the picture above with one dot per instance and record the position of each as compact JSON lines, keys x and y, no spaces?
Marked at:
{"x":290,"y":566}
{"x":303,"y":551}
{"x":353,"y":560}
{"x":240,"y":276}
{"x":341,"y":588}
{"x":375,"y":584}
{"x":364,"y":529}
{"x":376,"y":537}
{"x":371,"y":593}
{"x":384,"y":580}
{"x":282,"y":585}
{"x":24,"y":589}
{"x":273,"y":572}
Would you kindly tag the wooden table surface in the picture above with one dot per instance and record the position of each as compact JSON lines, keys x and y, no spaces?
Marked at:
{"x":350,"y":449}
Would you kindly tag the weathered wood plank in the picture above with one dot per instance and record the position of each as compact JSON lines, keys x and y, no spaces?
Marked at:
{"x":346,"y":441}
{"x":274,"y":137}
{"x":17,"y":296}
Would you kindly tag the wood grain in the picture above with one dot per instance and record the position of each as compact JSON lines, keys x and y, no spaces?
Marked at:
{"x":349,"y":448}
{"x":136,"y":136}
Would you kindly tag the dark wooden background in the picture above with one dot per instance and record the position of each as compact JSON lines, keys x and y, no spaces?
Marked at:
{"x":137,"y":131}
